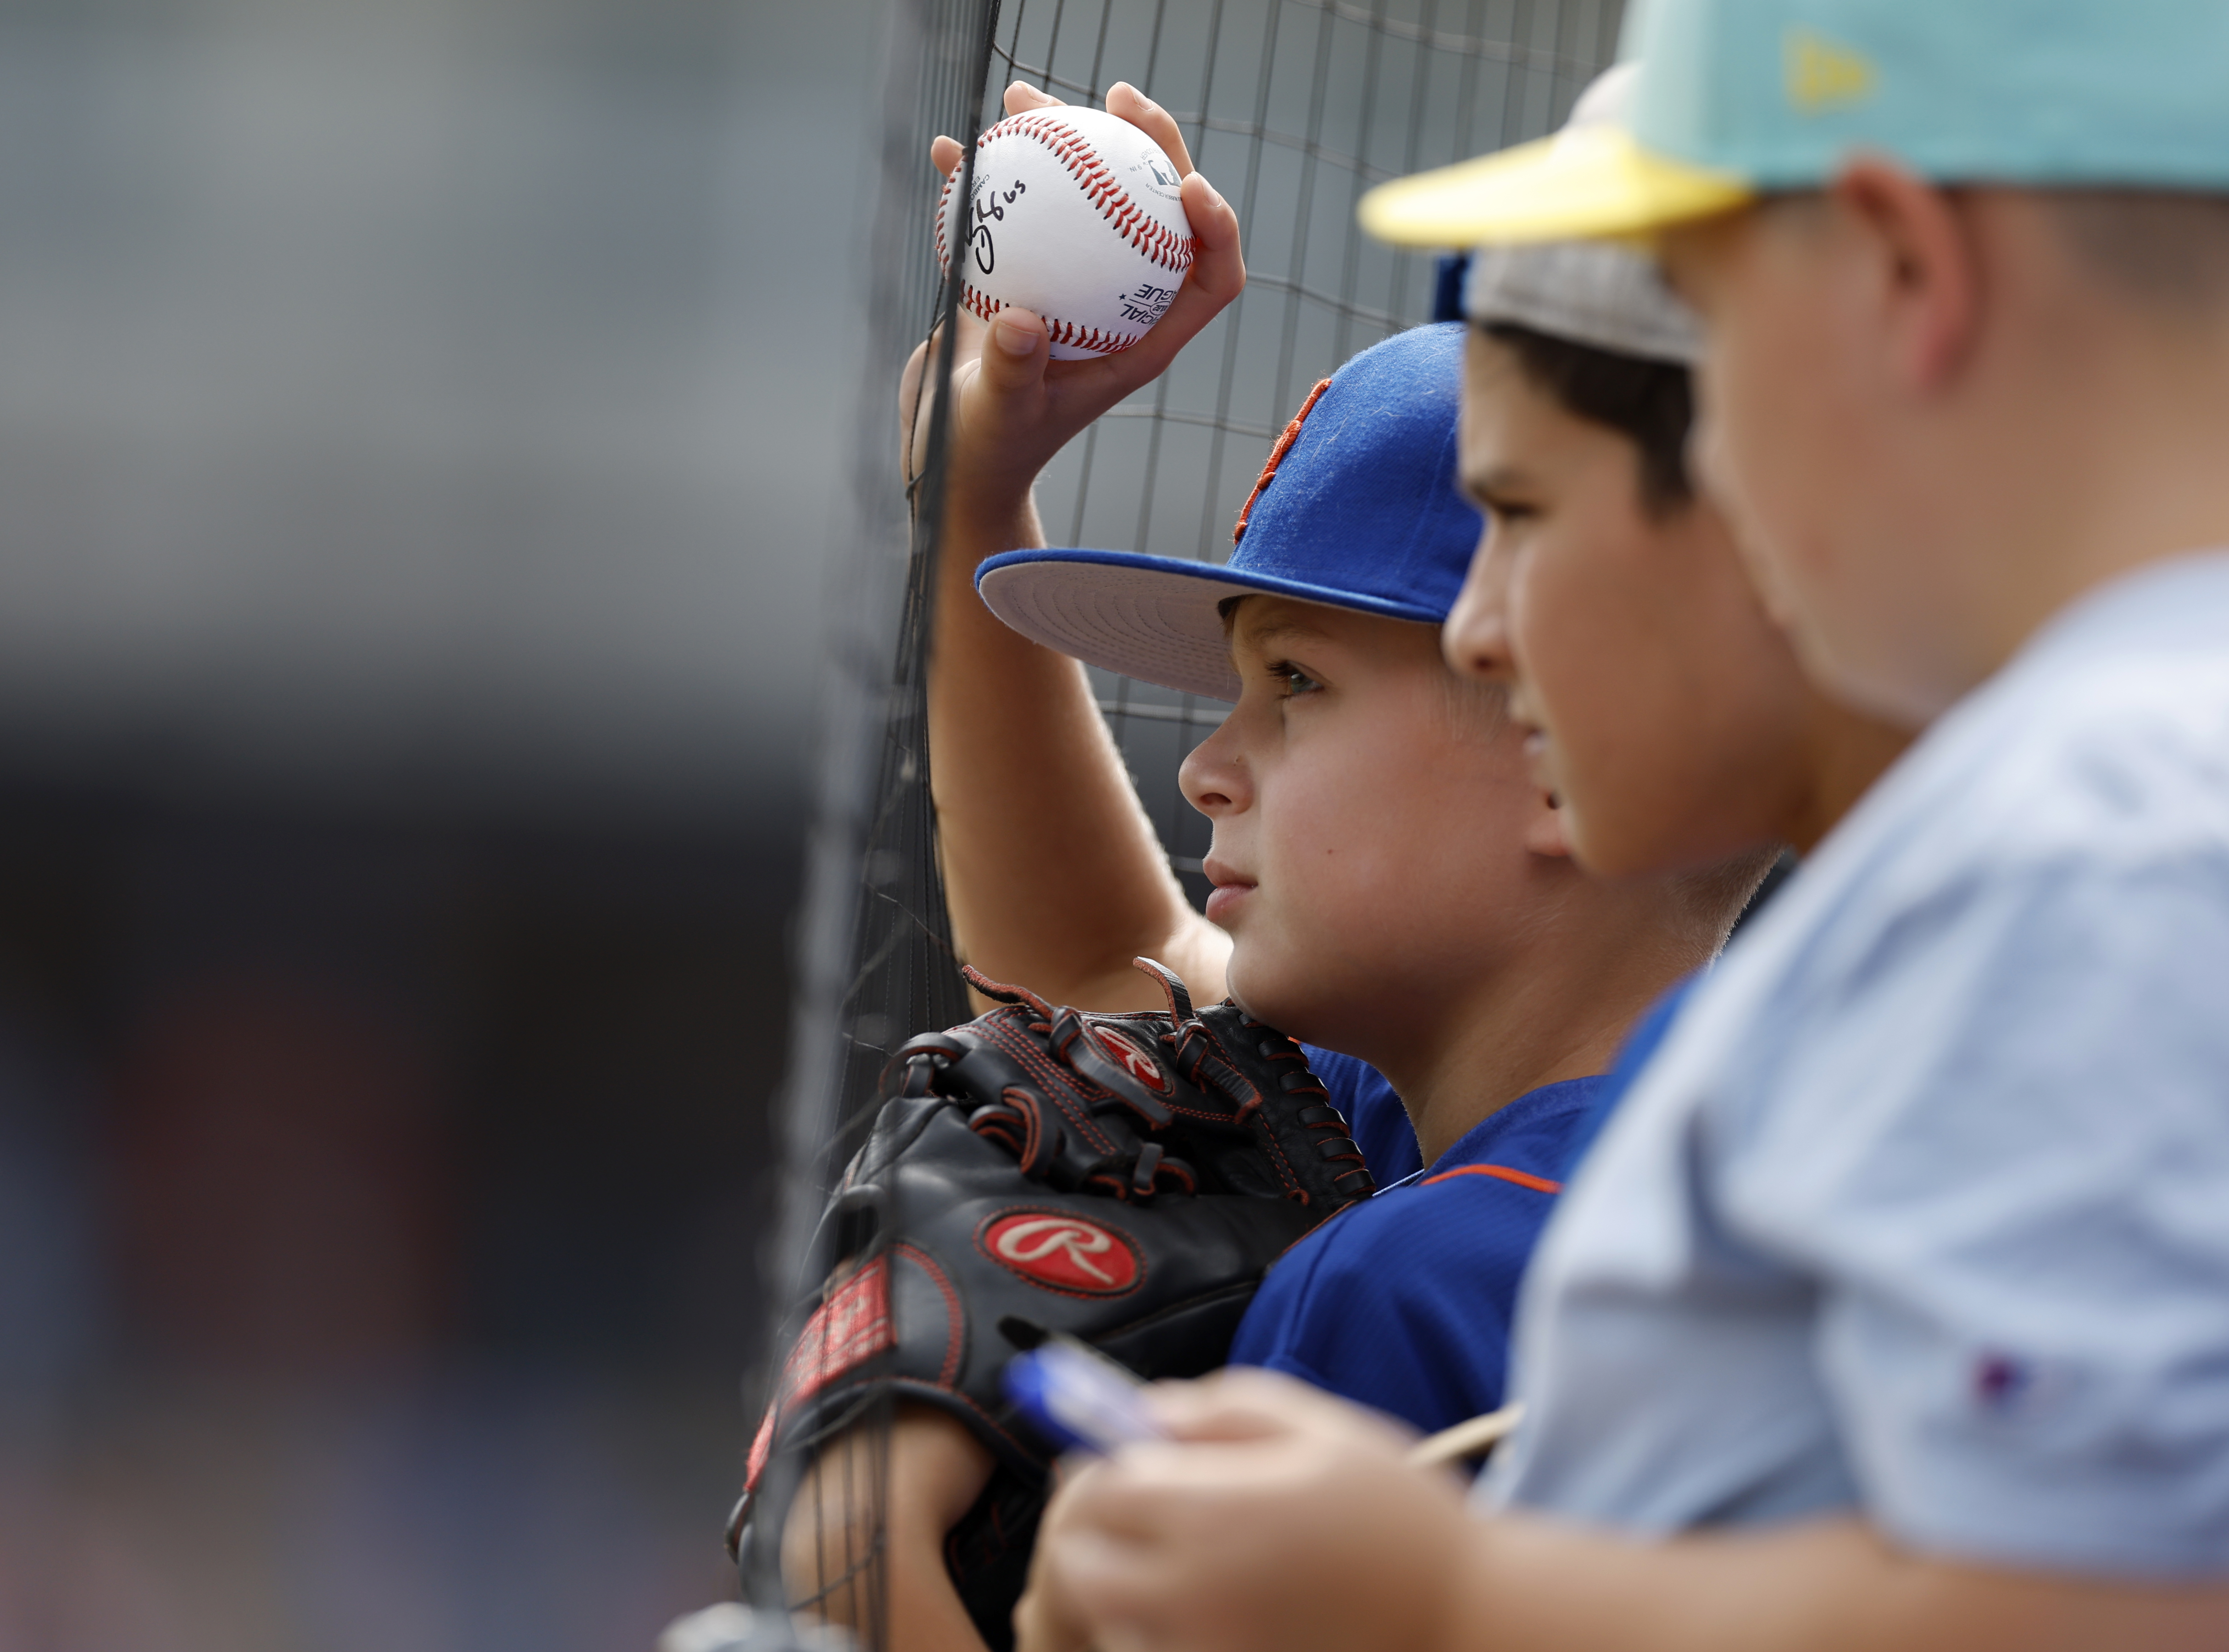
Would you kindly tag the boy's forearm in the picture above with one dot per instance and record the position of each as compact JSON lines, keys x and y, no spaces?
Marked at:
{"x":865,"y":1540}
{"x":925,"y":1611}
{"x":1196,"y":1547}
{"x":1824,"y":1586}
{"x":1054,"y":876}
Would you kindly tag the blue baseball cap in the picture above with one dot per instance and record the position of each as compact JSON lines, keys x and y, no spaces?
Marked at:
{"x":1737,"y":98}
{"x":1357,"y":508}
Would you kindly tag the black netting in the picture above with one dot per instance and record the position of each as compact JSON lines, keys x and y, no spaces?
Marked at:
{"x":1293,"y":108}
{"x":874,"y":951}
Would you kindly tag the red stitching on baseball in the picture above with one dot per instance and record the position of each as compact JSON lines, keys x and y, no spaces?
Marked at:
{"x":1084,"y":163}
{"x":983,"y":306}
{"x":943,"y":204}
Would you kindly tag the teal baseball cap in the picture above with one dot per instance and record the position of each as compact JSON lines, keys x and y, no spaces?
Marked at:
{"x":1739,"y":98}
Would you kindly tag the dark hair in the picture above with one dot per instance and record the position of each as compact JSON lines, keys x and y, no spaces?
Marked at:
{"x":2159,"y":246}
{"x":1651,"y":404}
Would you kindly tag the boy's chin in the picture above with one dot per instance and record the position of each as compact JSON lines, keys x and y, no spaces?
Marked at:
{"x":1270,"y":998}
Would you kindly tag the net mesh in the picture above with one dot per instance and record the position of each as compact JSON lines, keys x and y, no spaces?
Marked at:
{"x":1293,"y":108}
{"x":874,"y":955}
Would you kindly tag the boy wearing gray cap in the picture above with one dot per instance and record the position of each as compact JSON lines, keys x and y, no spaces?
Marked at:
{"x":1486,"y":975}
{"x":1888,"y":1311}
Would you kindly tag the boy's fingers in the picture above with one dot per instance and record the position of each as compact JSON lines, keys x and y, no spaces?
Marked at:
{"x":1014,"y":352}
{"x":1124,"y":1563}
{"x":1218,"y":275}
{"x":1046,"y":1623}
{"x":1244,"y":1405}
{"x":1213,"y":1408}
{"x":918,"y":376}
{"x":1141,"y":112}
{"x":1046,"y":1619}
{"x":1219,"y":266}
{"x":971,"y":337}
{"x":909,"y":383}
{"x":1099,"y":1578}
{"x":944,"y":154}
{"x":1215,"y":259}
{"x":1021,"y":97}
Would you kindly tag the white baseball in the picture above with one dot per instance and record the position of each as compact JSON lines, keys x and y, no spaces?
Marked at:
{"x":1078,"y":216}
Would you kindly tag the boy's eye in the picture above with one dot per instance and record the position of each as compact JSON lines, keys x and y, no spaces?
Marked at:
{"x":1292,"y":681}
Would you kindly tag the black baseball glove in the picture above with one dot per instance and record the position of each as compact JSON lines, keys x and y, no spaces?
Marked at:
{"x":1125,"y":1179}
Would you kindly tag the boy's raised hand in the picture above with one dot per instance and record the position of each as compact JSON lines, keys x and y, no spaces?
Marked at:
{"x":1015,"y":406}
{"x":1280,"y":1519}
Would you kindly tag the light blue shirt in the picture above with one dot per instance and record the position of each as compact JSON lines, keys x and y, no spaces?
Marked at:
{"x":1923,"y":1208}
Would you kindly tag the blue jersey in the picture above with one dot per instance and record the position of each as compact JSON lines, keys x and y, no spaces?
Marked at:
{"x":1374,"y":1114}
{"x":1640,"y":1044}
{"x":1379,"y":1124}
{"x":1404,"y":1303}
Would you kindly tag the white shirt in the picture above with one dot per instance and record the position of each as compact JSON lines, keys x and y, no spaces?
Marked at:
{"x":1923,"y":1207}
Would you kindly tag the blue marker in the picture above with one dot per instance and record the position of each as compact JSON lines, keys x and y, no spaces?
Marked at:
{"x":1078,"y":1399}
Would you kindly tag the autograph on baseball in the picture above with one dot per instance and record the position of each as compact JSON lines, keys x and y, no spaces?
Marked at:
{"x":992,"y":202}
{"x":1074,"y":214}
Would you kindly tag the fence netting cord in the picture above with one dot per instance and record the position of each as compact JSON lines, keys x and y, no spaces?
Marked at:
{"x":1293,"y":108}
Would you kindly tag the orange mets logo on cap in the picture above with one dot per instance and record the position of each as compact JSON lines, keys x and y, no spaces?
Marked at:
{"x":1277,"y":456}
{"x":1062,"y":1253}
{"x":1132,"y":1061}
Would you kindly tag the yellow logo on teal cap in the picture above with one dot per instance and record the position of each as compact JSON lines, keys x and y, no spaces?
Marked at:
{"x":1825,"y":75}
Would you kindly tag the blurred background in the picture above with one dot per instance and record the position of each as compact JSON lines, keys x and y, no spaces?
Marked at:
{"x":425,"y":427}
{"x":421,"y":423}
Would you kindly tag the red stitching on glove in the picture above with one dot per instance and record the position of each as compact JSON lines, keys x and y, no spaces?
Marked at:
{"x":956,"y":1323}
{"x":1051,"y":1077}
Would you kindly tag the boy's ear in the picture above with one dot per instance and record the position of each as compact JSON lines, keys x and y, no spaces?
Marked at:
{"x":1545,"y":833}
{"x":1928,"y":286}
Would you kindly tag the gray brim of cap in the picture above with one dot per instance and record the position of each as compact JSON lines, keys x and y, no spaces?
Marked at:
{"x":1153,"y":618}
{"x":1153,"y":624}
{"x":1591,"y":292}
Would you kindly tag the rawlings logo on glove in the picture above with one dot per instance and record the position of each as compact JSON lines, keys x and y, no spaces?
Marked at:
{"x":1064,"y":1252}
{"x":1125,"y":1179}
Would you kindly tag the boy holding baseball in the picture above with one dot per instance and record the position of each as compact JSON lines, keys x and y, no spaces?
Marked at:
{"x":1888,"y":1311}
{"x":1487,"y":976}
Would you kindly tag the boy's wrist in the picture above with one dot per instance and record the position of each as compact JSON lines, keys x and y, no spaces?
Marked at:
{"x":1470,"y":1591}
{"x":985,"y":521}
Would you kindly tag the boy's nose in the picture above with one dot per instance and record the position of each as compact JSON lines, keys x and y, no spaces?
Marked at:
{"x":1475,"y":638}
{"x":1213,"y":777}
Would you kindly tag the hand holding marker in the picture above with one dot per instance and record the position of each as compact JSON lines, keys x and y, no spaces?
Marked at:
{"x":1082,"y":1401}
